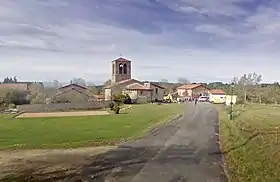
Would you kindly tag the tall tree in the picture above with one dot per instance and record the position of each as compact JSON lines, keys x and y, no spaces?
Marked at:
{"x":56,"y":84}
{"x":15,"y":79}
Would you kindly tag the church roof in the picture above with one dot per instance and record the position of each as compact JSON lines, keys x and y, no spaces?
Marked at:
{"x":121,"y":59}
{"x":137,"y":86}
{"x":123,"y":82}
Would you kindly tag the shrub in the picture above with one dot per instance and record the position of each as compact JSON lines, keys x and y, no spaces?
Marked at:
{"x":17,"y":97}
{"x":122,"y":98}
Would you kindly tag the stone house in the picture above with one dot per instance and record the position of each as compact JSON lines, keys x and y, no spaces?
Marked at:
{"x":74,"y":93}
{"x":192,"y":90}
{"x":122,"y":83}
{"x":158,"y":91}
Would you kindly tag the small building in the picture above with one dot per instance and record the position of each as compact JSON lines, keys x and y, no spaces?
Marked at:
{"x":192,"y":90}
{"x":157,"y":91}
{"x":217,"y":96}
{"x":230,"y":98}
{"x":74,"y":93}
{"x":138,"y":93}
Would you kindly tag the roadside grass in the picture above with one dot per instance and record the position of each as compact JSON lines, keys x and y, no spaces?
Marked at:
{"x":71,"y":132}
{"x":251,"y":142}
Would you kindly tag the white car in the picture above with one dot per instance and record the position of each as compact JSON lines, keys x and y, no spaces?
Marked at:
{"x":202,"y":99}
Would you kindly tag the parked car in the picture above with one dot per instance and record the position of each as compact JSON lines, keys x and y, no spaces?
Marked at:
{"x":12,"y":111}
{"x":203,"y":99}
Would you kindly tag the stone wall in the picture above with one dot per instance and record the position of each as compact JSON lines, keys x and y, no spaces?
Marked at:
{"x":63,"y":106}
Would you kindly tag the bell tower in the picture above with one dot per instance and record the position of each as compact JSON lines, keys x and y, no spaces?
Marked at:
{"x":121,"y":70}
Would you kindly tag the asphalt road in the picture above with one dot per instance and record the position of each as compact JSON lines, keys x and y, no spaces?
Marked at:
{"x":181,"y":151}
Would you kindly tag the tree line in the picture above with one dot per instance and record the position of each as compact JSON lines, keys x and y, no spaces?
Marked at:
{"x":249,"y":88}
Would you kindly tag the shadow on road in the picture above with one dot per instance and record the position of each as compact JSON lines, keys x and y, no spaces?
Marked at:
{"x":127,"y":161}
{"x":124,"y":162}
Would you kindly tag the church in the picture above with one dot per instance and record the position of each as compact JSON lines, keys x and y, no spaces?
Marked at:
{"x":122,"y":83}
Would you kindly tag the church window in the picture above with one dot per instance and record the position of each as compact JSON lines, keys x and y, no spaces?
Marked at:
{"x":121,"y":69}
{"x":124,"y":68}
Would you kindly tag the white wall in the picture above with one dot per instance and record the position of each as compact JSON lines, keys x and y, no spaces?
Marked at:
{"x":108,"y":94}
{"x":228,"y":99}
{"x":181,"y":92}
{"x":217,"y":98}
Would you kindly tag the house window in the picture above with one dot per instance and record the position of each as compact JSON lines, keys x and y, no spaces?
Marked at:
{"x":156,"y":90}
{"x":141,"y":92}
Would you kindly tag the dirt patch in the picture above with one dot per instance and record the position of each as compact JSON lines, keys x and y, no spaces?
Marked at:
{"x":42,"y":163}
{"x":62,"y":114}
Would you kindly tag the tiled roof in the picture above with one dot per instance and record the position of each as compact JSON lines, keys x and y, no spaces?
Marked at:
{"x":137,"y":86}
{"x":217,"y":91}
{"x":123,"y":82}
{"x":74,"y":85}
{"x":189,"y":86}
{"x":20,"y":86}
{"x":121,"y":59}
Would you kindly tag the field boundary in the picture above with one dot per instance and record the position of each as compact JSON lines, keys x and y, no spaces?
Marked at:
{"x":61,"y":114}
{"x":54,"y":107}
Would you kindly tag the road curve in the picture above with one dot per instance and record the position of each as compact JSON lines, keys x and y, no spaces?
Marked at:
{"x":180,"y":151}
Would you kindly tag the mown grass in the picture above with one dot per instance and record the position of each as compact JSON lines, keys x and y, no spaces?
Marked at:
{"x":251,"y":143}
{"x":68,"y":132}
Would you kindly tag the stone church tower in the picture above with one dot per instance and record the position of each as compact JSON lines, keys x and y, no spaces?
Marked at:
{"x":121,"y":70}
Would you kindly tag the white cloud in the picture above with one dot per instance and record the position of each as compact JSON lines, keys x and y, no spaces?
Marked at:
{"x":59,"y":40}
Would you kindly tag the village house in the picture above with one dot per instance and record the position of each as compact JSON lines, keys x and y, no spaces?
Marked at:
{"x":74,"y":93}
{"x":122,"y":83}
{"x":192,"y":90}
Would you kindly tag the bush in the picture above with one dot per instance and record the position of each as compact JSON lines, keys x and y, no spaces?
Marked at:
{"x":122,"y":98}
{"x":17,"y":97}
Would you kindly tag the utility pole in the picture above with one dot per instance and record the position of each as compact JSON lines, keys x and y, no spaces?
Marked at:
{"x":231,"y":102}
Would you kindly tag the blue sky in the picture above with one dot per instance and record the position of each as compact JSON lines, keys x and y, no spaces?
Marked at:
{"x":200,"y":40}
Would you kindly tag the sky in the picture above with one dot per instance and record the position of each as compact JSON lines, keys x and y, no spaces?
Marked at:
{"x":203,"y":41}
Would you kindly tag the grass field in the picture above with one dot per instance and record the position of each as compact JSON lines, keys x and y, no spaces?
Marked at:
{"x":67,"y":132}
{"x":251,"y":143}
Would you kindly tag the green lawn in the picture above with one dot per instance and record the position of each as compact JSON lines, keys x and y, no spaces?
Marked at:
{"x":259,"y":159}
{"x":62,"y":132}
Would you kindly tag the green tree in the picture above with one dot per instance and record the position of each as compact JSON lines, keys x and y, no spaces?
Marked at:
{"x":17,"y":97}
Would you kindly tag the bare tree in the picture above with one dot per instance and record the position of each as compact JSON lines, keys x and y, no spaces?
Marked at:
{"x":78,"y":81}
{"x":107,"y":83}
{"x":248,"y":82}
{"x":183,"y":80}
{"x":56,"y":84}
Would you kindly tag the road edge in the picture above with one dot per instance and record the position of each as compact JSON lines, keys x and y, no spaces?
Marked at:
{"x":224,"y":163}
